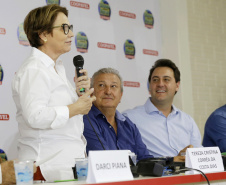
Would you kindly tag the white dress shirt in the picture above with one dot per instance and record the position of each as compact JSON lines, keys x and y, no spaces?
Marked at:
{"x":41,"y":94}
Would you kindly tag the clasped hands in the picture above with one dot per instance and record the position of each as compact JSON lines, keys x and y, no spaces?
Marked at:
{"x":181,"y":157}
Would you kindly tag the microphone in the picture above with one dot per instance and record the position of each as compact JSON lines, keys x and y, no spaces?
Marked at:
{"x":78,"y":62}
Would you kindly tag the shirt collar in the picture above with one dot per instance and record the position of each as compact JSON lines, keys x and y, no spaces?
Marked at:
{"x":149,"y":107}
{"x":119,"y":116}
{"x":97,"y":112}
{"x":46,"y":60}
{"x":175,"y":110}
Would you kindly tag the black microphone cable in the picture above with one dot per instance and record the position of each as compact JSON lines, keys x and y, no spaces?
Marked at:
{"x":202,"y":173}
{"x":95,"y":132}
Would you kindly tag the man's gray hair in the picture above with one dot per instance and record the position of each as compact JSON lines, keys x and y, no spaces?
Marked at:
{"x":107,"y":71}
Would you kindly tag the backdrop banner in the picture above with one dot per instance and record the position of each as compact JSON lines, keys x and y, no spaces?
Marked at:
{"x":123,"y":34}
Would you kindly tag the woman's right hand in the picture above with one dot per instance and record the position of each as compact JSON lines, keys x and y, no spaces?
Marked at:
{"x":83,"y":104}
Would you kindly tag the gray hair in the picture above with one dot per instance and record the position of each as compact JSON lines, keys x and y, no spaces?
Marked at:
{"x":107,"y":71}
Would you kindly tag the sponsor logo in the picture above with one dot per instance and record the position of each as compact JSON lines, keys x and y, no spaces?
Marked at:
{"x":2,"y":31}
{"x":53,"y":2}
{"x":81,"y":42}
{"x":79,"y":4}
{"x":150,"y":52}
{"x":148,"y":19}
{"x":106,"y":45}
{"x":131,"y":84}
{"x":129,"y":49}
{"x":3,"y":156}
{"x":1,"y":74}
{"x":22,"y":37}
{"x":104,"y":10}
{"x":127,"y":14}
{"x":4,"y":117}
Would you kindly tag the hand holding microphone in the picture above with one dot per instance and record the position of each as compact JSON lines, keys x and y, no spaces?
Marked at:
{"x":82,"y":80}
{"x":84,"y":102}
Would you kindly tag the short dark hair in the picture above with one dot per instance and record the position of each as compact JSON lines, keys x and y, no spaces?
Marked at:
{"x":165,"y":63}
{"x":39,"y":20}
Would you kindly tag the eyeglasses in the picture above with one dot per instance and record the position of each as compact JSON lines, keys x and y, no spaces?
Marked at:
{"x":65,"y":27}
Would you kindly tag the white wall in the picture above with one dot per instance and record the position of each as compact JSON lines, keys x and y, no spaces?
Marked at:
{"x":193,"y":35}
{"x":175,"y":46}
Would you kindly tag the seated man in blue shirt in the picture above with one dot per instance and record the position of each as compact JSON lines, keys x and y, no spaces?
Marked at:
{"x":113,"y":130}
{"x":215,"y":129}
{"x":165,"y":130}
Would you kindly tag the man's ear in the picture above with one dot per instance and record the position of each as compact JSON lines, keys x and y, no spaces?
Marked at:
{"x":121,"y":97}
{"x":93,"y":94}
{"x":177,"y":86}
{"x":149,"y":89}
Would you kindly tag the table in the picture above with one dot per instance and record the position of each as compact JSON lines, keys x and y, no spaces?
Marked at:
{"x":218,"y":178}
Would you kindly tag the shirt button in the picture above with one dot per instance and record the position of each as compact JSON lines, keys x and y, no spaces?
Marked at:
{"x":103,"y":117}
{"x":109,"y":126}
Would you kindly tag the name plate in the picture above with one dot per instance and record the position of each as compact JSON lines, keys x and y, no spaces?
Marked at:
{"x":206,"y":159}
{"x":108,"y":166}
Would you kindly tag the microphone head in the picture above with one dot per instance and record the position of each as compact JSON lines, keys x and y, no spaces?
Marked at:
{"x":78,"y":61}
